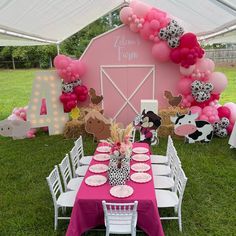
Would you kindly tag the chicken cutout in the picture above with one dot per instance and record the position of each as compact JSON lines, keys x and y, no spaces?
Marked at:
{"x":95,"y":100}
{"x":173,"y":101}
{"x":75,"y":113}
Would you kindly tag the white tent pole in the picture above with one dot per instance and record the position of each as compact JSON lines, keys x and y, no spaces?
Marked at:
{"x":58,"y":48}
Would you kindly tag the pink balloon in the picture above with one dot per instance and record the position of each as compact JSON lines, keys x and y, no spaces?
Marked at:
{"x":219,"y":81}
{"x":196,"y":109}
{"x":232,"y":107}
{"x":203,"y":117}
{"x":187,"y":71}
{"x":230,"y":128}
{"x":224,"y":112}
{"x":141,"y":9}
{"x":146,"y":31}
{"x":184,"y":86}
{"x":125,"y":12}
{"x":133,"y":27}
{"x":202,"y":65}
{"x":161,"y":51}
{"x":211,"y":64}
{"x":154,"y":24}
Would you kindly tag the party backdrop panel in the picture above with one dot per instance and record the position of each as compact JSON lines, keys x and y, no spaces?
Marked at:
{"x":120,"y":66}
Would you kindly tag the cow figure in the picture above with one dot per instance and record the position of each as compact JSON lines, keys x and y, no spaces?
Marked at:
{"x":186,"y":125}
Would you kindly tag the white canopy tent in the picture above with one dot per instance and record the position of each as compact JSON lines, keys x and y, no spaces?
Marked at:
{"x":36,"y":22}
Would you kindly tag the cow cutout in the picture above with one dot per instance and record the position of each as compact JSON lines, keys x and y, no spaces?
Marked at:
{"x":192,"y":130}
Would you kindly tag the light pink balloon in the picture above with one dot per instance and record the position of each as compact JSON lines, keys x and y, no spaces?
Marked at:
{"x":232,"y":107}
{"x":133,"y":27}
{"x":125,"y":13}
{"x":141,"y":9}
{"x":196,"y":109}
{"x":161,"y":51}
{"x":184,"y":86}
{"x":187,"y":71}
{"x":211,"y":64}
{"x":219,"y":81}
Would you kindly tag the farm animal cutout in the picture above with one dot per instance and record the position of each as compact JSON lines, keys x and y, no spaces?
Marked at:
{"x":220,"y":127}
{"x":173,"y":101}
{"x":17,"y":129}
{"x":148,"y":123}
{"x":186,"y":125}
{"x":94,"y":98}
{"x":97,"y":125}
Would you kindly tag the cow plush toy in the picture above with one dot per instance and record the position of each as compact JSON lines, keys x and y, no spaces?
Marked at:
{"x":192,"y":130}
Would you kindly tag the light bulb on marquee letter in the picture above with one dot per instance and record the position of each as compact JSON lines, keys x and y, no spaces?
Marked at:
{"x":42,"y":88}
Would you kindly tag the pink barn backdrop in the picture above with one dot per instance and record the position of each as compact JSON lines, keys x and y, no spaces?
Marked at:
{"x":121,"y":67}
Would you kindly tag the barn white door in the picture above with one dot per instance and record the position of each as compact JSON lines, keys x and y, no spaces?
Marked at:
{"x":123,"y":87}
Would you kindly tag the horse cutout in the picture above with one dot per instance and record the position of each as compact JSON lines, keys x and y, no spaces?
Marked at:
{"x":97,"y":124}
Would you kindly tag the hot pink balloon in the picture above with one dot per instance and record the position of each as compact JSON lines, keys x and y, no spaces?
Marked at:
{"x":161,"y":51}
{"x":219,"y":81}
{"x":224,"y":112}
{"x":187,"y":71}
{"x":125,"y":12}
{"x":203,"y":117}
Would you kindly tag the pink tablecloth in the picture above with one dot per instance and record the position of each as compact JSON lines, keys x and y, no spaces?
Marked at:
{"x":87,"y":212}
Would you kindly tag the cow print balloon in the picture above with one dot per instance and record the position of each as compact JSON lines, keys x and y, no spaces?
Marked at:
{"x":201,"y":91}
{"x":67,"y":87}
{"x":220,"y":127}
{"x":172,"y":34}
{"x":77,"y":83}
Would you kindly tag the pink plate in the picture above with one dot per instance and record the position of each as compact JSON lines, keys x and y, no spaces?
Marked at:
{"x":141,"y":177}
{"x":140,"y":167}
{"x":103,"y":149}
{"x":95,"y":180}
{"x":98,"y":168}
{"x":140,"y":157}
{"x":140,"y":150}
{"x":101,"y":157}
{"x":121,"y":191}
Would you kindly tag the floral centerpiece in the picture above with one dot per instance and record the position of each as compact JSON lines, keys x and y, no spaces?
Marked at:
{"x":121,"y":149}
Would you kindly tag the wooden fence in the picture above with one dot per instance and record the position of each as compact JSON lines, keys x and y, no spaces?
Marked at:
{"x":222,"y":56}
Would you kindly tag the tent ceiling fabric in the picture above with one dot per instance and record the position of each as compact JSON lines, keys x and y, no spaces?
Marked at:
{"x":54,"y":21}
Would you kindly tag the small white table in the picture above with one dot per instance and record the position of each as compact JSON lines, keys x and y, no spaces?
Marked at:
{"x":232,"y":139}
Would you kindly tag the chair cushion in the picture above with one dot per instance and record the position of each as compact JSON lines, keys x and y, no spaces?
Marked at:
{"x":166,"y":198}
{"x":159,"y":159}
{"x":75,"y":183}
{"x":85,"y":160}
{"x":163,"y":182}
{"x":81,"y":170}
{"x":67,"y":199}
{"x":161,"y":169}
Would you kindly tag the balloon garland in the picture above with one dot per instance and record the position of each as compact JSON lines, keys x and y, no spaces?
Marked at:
{"x":70,"y":71}
{"x":199,"y":85}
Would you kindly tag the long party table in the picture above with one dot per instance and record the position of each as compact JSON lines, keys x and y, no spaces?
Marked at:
{"x":88,"y":213}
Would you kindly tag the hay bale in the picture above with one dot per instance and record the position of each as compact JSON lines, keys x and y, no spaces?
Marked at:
{"x":74,"y":128}
{"x":167,"y":127}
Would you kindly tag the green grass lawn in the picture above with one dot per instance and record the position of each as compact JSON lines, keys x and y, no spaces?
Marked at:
{"x":25,"y":202}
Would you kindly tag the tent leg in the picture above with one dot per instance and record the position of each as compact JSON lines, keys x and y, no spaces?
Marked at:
{"x":58,"y":48}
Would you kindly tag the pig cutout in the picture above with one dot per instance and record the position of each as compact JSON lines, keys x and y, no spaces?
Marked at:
{"x":192,"y":130}
{"x":17,"y":129}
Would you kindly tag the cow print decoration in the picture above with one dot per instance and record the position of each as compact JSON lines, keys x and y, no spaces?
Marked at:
{"x":201,"y":91}
{"x":67,"y":87}
{"x":220,"y":127}
{"x":171,"y":34}
{"x":77,"y":83}
{"x":118,"y":176}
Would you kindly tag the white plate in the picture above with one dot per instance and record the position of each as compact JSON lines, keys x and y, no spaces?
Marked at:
{"x":121,"y":191}
{"x":101,"y":157}
{"x":140,"y":150}
{"x":98,"y":168}
{"x":103,"y":149}
{"x":140,"y":157}
{"x":140,"y":167}
{"x":95,"y":180}
{"x":141,"y":177}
